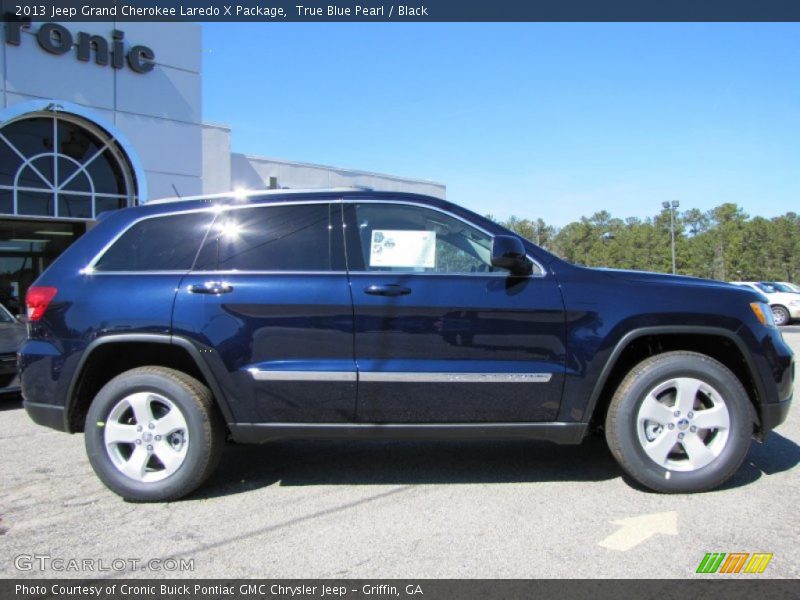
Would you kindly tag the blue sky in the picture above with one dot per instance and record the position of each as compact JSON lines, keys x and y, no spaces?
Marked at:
{"x":538,"y":120}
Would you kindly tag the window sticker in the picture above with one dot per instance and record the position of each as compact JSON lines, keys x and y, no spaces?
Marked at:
{"x":412,"y":249}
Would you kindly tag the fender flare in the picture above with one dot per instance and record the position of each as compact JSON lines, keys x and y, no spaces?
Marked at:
{"x":634,"y":334}
{"x":150,"y":338}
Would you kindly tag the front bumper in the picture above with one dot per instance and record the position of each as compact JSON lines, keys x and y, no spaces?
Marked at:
{"x":773,"y":414}
{"x":47,"y":415}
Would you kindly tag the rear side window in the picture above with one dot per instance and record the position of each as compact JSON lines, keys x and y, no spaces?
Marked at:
{"x":168,"y":243}
{"x":270,"y":238}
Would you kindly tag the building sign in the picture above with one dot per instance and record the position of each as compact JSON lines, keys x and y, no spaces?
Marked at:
{"x":57,"y":39}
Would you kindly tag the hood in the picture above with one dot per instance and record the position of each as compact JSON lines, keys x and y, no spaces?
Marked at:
{"x":650,"y":276}
{"x":647,"y":277}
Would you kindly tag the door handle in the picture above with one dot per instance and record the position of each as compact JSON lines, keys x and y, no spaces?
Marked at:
{"x":389,"y":289}
{"x":210,"y":287}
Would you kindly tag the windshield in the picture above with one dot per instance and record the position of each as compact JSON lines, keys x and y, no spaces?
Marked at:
{"x":779,"y":287}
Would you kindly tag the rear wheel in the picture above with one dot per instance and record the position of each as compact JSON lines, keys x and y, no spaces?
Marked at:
{"x":153,"y":434}
{"x":680,"y":422}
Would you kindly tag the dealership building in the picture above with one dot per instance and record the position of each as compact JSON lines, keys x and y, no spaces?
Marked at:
{"x":99,"y":116}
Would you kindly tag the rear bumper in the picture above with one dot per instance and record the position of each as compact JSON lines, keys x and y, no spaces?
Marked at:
{"x":773,"y":414}
{"x":47,"y":415}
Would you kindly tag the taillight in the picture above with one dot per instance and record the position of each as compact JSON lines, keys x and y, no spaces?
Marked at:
{"x":37,"y":300}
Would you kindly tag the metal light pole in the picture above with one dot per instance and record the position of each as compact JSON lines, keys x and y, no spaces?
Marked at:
{"x":672,"y":206}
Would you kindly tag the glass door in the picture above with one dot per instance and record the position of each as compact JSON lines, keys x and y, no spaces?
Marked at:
{"x":27,"y":248}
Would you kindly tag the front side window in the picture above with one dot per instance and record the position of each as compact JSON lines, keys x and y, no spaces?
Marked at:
{"x":270,"y":238}
{"x":168,"y":243}
{"x":403,"y":238}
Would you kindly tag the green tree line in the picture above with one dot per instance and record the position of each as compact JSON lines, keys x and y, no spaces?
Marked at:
{"x":724,"y":243}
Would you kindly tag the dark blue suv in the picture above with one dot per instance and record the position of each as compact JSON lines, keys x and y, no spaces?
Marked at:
{"x":171,"y":327}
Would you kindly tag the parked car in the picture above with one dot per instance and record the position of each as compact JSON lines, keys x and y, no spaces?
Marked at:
{"x":12,"y":336}
{"x":785,"y":305}
{"x":170,"y":327}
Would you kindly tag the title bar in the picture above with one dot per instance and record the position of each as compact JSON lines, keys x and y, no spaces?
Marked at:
{"x":374,"y":11}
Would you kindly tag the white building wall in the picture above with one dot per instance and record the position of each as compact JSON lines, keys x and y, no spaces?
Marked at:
{"x":159,"y":112}
{"x":216,"y":159}
{"x":254,"y":172}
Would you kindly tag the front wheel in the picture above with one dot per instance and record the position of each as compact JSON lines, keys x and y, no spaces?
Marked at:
{"x":153,"y":434}
{"x":680,"y":422}
{"x":781,"y":315}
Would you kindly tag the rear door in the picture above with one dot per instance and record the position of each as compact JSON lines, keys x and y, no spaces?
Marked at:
{"x":268,"y":302}
{"x":442,"y":336}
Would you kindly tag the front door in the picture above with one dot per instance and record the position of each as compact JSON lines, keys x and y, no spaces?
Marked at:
{"x":269,"y":300}
{"x":441,"y":335}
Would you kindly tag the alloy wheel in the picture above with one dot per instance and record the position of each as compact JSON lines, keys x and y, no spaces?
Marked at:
{"x":146,"y":437}
{"x":683,"y":424}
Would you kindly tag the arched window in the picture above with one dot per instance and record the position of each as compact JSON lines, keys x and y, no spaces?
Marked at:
{"x":58,"y":165}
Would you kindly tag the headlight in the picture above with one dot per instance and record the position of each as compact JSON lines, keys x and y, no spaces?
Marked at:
{"x":763,"y":313}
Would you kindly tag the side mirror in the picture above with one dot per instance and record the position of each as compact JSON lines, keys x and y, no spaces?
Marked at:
{"x":509,"y":253}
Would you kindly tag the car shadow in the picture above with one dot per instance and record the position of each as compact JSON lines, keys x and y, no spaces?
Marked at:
{"x":296,"y":463}
{"x":299,"y":463}
{"x":776,"y":455}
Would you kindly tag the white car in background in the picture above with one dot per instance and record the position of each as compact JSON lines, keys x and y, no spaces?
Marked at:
{"x":785,"y":305}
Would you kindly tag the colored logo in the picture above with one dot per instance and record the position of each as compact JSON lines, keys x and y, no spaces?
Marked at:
{"x":734,"y":562}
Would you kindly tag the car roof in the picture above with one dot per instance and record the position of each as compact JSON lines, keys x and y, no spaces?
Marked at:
{"x":281,"y":195}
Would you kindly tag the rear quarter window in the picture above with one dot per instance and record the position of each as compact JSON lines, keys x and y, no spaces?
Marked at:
{"x":168,"y":243}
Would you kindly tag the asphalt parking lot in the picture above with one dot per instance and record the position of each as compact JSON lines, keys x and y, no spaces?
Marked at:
{"x":392,"y":510}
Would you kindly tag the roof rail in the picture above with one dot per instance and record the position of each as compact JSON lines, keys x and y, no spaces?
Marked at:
{"x":262,"y":192}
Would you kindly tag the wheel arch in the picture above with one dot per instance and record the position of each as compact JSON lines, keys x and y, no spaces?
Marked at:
{"x":143,"y":349}
{"x":639,"y":344}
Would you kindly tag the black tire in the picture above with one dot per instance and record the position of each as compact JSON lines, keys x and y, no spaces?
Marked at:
{"x":627,"y":435}
{"x":781,"y":315}
{"x":204,"y":437}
